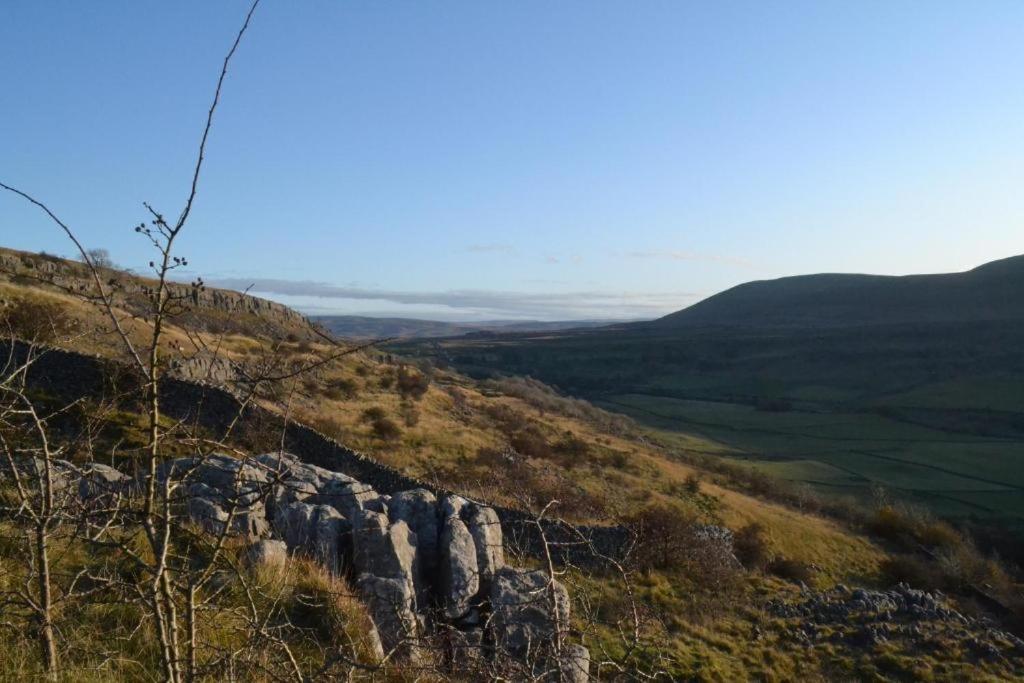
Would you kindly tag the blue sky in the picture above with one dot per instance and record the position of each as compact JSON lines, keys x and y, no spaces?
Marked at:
{"x":527,"y":159}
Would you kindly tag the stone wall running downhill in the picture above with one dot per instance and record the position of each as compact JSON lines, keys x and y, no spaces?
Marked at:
{"x":69,"y":375}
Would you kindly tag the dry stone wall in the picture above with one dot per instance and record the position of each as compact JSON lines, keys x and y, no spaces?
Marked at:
{"x":71,"y":375}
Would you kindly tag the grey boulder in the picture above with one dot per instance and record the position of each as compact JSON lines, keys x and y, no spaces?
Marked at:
{"x":460,"y":575}
{"x":99,"y":481}
{"x":527,"y":609}
{"x":382,"y":549}
{"x":485,"y":528}
{"x":418,"y":509}
{"x":391,"y":605}
{"x":317,"y":531}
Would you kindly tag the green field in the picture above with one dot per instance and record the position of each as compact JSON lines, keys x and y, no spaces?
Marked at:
{"x":955,"y":474}
{"x":933,"y":414}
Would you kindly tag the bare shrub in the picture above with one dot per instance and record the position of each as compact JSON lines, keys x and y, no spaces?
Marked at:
{"x":913,"y":571}
{"x":341,"y":389}
{"x":663,"y":537}
{"x":751,"y":546}
{"x":42,"y":322}
{"x":497,"y":458}
{"x":939,"y":534}
{"x":411,"y":384}
{"x":507,"y":419}
{"x":891,"y":523}
{"x":618,"y":460}
{"x":791,"y":570}
{"x":531,"y":443}
{"x":460,"y":403}
{"x":386,"y":429}
{"x":573,"y":446}
{"x":101,"y":258}
{"x":372,"y":414}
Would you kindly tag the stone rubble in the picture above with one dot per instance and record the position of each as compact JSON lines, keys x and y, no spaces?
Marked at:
{"x":867,"y":619}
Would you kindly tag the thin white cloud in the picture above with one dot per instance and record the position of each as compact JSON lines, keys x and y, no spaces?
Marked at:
{"x":472,"y":303}
{"x":683,"y":255}
{"x":492,"y":249}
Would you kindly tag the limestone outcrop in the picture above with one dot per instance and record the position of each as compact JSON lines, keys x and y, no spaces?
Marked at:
{"x":431,"y":571}
{"x":423,"y":566}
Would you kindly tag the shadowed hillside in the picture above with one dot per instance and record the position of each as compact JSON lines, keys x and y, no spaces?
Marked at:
{"x":845,"y":383}
{"x":365,"y":327}
{"x":990,"y":292}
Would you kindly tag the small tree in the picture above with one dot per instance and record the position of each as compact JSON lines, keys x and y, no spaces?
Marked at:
{"x":161,"y":592}
{"x":101,"y":258}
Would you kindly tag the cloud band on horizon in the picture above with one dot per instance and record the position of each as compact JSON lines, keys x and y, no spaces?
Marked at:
{"x":473,"y":303}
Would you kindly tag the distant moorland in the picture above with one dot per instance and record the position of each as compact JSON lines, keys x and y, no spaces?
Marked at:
{"x":365,"y":327}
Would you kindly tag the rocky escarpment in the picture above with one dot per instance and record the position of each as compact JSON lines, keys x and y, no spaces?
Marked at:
{"x":432,"y":572}
{"x":210,"y":306}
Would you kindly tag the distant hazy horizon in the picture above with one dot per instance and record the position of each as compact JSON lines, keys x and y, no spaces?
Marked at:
{"x":468,"y":161}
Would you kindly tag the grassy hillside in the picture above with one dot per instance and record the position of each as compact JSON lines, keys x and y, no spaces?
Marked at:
{"x":517,"y":442}
{"x":930,"y":408}
{"x":218,"y":313}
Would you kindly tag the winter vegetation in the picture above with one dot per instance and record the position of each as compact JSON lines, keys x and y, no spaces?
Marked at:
{"x":323,"y":509}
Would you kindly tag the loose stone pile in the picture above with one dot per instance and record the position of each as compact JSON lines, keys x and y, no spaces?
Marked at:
{"x":867,"y":619}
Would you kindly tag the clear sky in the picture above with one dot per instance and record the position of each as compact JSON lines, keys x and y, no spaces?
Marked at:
{"x":522,"y":159}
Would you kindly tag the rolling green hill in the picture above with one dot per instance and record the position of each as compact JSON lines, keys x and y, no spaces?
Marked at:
{"x":846,"y":383}
{"x":991,"y":292}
